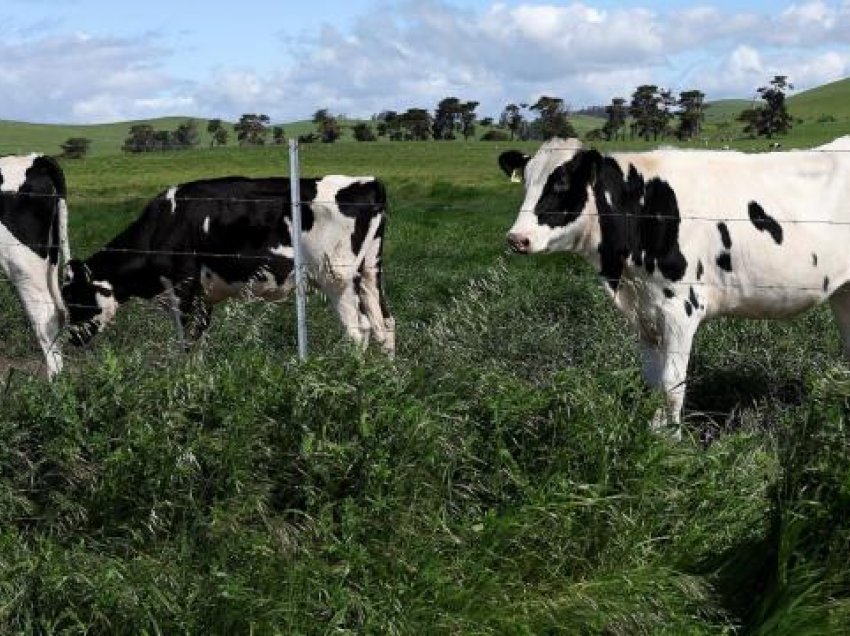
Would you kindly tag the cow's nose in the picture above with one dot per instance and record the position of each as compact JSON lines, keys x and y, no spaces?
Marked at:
{"x":519,"y":242}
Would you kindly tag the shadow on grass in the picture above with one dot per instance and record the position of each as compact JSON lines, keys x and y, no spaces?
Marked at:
{"x":720,"y":400}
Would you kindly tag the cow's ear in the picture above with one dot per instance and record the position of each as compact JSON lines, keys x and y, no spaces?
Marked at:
{"x":512,"y":162}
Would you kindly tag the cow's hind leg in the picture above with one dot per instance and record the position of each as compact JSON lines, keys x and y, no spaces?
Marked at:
{"x":374,"y":307}
{"x":840,"y":303}
{"x":372,"y":298}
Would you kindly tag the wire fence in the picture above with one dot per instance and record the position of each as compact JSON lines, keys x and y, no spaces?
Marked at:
{"x":293,"y":205}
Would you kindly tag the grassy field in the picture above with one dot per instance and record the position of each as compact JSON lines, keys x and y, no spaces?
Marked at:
{"x":496,"y":478}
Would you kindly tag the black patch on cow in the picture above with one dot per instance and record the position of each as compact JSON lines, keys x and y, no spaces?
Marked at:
{"x":358,"y":287}
{"x":700,"y":270}
{"x":724,"y":261}
{"x":825,"y":283}
{"x":725,"y":237}
{"x":31,"y":213}
{"x":693,"y":298}
{"x":814,"y":260}
{"x":688,"y":309}
{"x":641,"y":221}
{"x":564,"y":195}
{"x":362,"y":202}
{"x":764,"y":222}
{"x":668,"y":293}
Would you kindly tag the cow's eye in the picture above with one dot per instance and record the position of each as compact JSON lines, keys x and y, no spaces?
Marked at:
{"x":103,"y":291}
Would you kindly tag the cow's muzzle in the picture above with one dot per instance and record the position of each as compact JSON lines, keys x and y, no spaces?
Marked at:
{"x":519,"y":243}
{"x":81,"y":334}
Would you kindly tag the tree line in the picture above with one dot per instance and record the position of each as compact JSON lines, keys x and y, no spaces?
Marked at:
{"x":652,"y":113}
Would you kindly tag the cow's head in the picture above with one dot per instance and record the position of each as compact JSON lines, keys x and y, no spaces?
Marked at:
{"x":558,"y":205}
{"x":91,"y":304}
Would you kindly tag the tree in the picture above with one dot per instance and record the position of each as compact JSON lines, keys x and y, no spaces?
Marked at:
{"x":616,"y":115}
{"x":218,"y":133}
{"x":771,"y":118}
{"x":75,"y":147}
{"x":691,"y":114}
{"x":446,"y":118}
{"x":513,"y":119}
{"x":278,"y":135}
{"x":467,"y":119}
{"x":363,"y":132}
{"x":495,"y":135}
{"x":251,"y":129}
{"x":327,"y":126}
{"x":552,"y":121}
{"x":388,"y":124}
{"x":650,"y":110}
{"x":186,"y":136}
{"x":416,"y":123}
{"x":666,"y":104}
{"x":141,"y":139}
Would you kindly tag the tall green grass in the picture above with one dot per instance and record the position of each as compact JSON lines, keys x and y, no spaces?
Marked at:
{"x":498,"y":477}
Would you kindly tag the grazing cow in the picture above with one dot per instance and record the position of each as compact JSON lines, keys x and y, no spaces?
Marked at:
{"x":33,"y":233}
{"x":205,"y":241}
{"x":682,"y":236}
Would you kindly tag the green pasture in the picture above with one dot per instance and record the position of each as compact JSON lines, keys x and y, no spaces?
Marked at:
{"x":497,"y":477}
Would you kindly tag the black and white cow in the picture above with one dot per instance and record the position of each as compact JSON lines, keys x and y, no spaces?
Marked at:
{"x":681,"y":236}
{"x":205,"y":241}
{"x":33,"y":234}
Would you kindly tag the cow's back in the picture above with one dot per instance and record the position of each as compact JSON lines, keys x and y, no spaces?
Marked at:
{"x":31,"y":187}
{"x":763,"y":234}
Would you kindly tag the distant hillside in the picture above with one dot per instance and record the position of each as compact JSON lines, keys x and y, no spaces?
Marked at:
{"x":820,"y":114}
{"x":20,"y":137}
{"x":725,"y":109}
{"x":829,"y":100}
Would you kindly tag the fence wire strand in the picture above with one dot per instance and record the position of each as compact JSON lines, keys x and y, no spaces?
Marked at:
{"x":284,"y":203}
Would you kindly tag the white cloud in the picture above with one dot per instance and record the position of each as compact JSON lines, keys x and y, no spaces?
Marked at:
{"x":745,"y":68}
{"x":80,"y":77}
{"x":412,"y":53}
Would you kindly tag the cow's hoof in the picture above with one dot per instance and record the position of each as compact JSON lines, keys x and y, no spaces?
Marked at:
{"x":664,"y":426}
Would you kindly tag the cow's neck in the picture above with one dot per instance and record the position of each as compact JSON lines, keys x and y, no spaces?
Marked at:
{"x":125,"y":263}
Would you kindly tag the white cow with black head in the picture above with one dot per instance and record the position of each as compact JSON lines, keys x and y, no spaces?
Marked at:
{"x":679,"y":237}
{"x":33,"y":233}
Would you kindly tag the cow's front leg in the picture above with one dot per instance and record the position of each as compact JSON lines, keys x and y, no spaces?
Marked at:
{"x":665,"y":367}
{"x":46,"y":319}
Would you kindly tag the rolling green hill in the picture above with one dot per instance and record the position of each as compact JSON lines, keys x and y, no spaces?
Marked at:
{"x":829,"y":100}
{"x":725,"y":109}
{"x":21,"y":137}
{"x":820,"y":114}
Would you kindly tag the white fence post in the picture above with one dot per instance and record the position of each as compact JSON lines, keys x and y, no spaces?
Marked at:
{"x":300,"y":282}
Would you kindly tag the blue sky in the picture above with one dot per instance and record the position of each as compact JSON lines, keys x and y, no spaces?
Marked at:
{"x":83,"y":61}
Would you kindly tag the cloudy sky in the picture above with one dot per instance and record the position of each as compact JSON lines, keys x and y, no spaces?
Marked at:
{"x":87,"y":61}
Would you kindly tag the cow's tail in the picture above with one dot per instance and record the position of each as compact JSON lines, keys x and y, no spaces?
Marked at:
{"x":59,"y":249}
{"x":373,"y":300}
